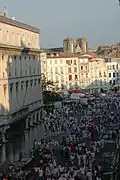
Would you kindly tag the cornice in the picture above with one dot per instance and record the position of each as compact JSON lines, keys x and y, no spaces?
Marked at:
{"x":21,"y":25}
{"x":17,"y":49}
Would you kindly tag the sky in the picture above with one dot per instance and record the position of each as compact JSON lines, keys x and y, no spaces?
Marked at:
{"x":97,"y":20}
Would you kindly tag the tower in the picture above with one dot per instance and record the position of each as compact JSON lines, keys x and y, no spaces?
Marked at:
{"x":83,"y":43}
{"x":69,"y":45}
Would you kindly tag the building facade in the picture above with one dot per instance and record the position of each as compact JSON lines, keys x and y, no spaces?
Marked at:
{"x":73,"y":71}
{"x":62,"y":69}
{"x":20,"y":71}
{"x":113,"y":70}
{"x":97,"y":73}
{"x":84,"y":71}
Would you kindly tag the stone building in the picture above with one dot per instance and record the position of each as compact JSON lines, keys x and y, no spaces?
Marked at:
{"x":20,"y":71}
{"x":79,"y":45}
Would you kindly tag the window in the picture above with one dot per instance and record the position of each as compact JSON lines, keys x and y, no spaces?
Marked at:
{"x":114,"y":82}
{"x":11,"y":88}
{"x":61,"y":70}
{"x":86,"y":75}
{"x":76,"y":77}
{"x":69,"y":70}
{"x":75,"y":69}
{"x":117,"y":66}
{"x":81,"y":67}
{"x":50,"y":61}
{"x":62,"y":86}
{"x":38,"y":81}
{"x":113,"y":66}
{"x":104,"y":74}
{"x":5,"y":94}
{"x":55,"y":61}
{"x":117,"y":74}
{"x":26,"y":84}
{"x":56,"y":70}
{"x":61,"y":61}
{"x":69,"y":62}
{"x":75,"y":62}
{"x":9,"y":66}
{"x":109,"y":74}
{"x":70,"y":77}
{"x":100,"y":75}
{"x":110,"y":82}
{"x":86,"y":67}
{"x":17,"y":84}
{"x":35,"y":82}
{"x":31,"y":83}
{"x":2,"y":57}
{"x":113,"y":74}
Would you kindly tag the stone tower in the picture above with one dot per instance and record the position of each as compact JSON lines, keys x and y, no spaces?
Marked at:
{"x":69,"y":45}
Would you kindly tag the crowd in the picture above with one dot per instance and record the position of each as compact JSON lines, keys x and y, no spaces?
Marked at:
{"x":74,"y":152}
{"x":75,"y":141}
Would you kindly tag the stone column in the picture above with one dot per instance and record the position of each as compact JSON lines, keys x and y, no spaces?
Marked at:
{"x":27,"y":123}
{"x":35,"y":118}
{"x":31,"y":121}
{"x":3,"y":155}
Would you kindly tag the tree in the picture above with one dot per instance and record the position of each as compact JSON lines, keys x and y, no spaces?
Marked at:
{"x":47,"y":84}
{"x":49,"y":95}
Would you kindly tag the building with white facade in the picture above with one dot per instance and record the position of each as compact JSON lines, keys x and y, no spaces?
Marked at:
{"x":113,"y":70}
{"x":62,"y":69}
{"x":84,"y":71}
{"x":97,"y":73}
{"x":20,"y":71}
{"x":74,"y":71}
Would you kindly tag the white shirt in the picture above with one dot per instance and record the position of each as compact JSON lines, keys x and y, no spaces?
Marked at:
{"x":40,"y":172}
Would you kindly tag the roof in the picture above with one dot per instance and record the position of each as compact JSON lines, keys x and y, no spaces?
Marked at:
{"x":61,"y":55}
{"x":21,"y":25}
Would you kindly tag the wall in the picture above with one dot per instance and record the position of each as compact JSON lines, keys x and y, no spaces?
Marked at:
{"x":98,"y":73}
{"x":20,"y":80}
{"x":59,"y":69}
{"x":11,"y":35}
{"x":84,"y":72}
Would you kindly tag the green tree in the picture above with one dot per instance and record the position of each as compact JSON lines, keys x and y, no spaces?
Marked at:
{"x":47,"y":84}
